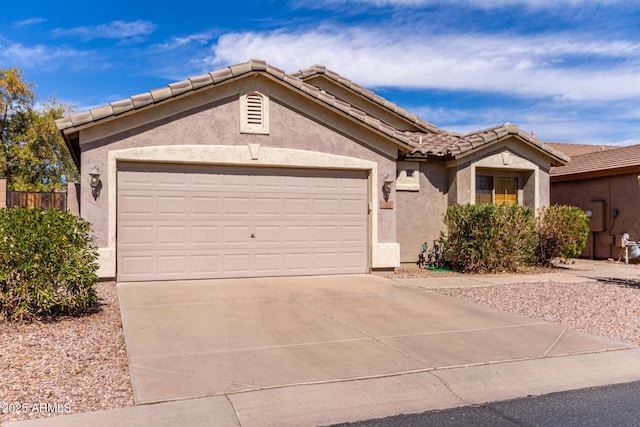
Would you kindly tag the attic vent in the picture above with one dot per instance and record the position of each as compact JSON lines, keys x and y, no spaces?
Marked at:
{"x":254,"y":112}
{"x":254,"y":109}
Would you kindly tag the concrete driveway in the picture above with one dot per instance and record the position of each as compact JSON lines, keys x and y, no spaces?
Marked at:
{"x":192,"y":339}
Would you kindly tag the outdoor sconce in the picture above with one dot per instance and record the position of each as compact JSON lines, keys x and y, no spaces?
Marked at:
{"x":386,"y":187}
{"x":95,"y":183}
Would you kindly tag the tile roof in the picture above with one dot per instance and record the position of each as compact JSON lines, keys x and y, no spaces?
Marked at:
{"x":579,"y":149}
{"x":434,"y":141}
{"x":607,"y":162}
{"x":317,"y":69}
{"x":254,"y":65}
{"x":454,"y":144}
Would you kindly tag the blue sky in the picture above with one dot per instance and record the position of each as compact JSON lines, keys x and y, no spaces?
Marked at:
{"x":567,"y":69}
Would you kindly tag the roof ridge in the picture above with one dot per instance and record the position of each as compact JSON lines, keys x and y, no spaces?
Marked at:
{"x":367,"y":93}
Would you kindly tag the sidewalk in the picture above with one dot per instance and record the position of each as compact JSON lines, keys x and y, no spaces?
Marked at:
{"x":453,"y":385}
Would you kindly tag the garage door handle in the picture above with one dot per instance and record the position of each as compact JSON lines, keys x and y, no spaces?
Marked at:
{"x":253,"y":236}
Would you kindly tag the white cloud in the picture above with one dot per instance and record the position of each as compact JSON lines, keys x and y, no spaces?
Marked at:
{"x":111,"y":30}
{"x":28,"y":22}
{"x":16,"y":54}
{"x":539,"y":66}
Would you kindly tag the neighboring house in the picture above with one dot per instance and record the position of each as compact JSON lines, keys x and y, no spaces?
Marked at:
{"x":605,"y":183}
{"x":572,"y":150}
{"x":250,"y":171}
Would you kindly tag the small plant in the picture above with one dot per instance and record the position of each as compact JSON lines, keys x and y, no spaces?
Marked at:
{"x":47,"y":264}
{"x":433,"y":258}
{"x":562,"y":233}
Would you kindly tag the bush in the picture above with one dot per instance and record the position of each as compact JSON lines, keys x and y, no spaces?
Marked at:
{"x":47,"y":264}
{"x":487,"y":238}
{"x":562,"y":232}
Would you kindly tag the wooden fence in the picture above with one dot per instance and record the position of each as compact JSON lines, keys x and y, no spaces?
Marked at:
{"x":56,"y":200}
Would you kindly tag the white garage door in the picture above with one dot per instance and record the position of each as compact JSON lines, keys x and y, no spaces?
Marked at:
{"x":194,"y":222}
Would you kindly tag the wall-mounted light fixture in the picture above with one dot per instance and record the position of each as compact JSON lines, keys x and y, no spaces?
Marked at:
{"x":386,"y":187}
{"x":95,"y":183}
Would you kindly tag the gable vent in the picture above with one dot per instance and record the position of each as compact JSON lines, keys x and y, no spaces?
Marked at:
{"x":254,"y":113}
{"x":254,"y":109}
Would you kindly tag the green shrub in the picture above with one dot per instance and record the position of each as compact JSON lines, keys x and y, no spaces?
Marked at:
{"x":47,"y":264}
{"x":488,"y":238}
{"x":562,"y":233}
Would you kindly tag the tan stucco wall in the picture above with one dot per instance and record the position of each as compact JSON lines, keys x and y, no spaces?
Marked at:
{"x":420,"y":213}
{"x":619,"y":192}
{"x":211,"y":119}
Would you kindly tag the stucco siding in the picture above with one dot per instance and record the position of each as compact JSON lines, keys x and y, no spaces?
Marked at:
{"x":420,"y":214}
{"x":620,"y":193}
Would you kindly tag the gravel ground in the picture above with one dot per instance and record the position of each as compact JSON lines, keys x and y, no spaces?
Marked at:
{"x":79,"y":364}
{"x":68,"y":366}
{"x":609,"y":309}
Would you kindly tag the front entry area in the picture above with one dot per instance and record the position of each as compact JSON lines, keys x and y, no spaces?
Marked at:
{"x":180,"y":221}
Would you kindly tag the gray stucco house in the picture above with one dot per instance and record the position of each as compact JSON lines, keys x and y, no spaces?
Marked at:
{"x":250,"y":171}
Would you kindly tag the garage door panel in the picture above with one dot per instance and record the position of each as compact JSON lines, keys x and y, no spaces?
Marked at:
{"x":236,"y":234}
{"x":268,"y":207}
{"x":172,"y":265}
{"x":269,"y":183}
{"x":203,"y":235}
{"x":136,"y":205}
{"x":137,"y":235}
{"x":267,"y":262}
{"x":353,"y":208}
{"x":237,"y":263}
{"x":299,"y":207}
{"x":353,"y":233}
{"x":208,"y":206}
{"x":237,"y":206}
{"x":137,"y":267}
{"x":199,"y":224}
{"x":172,"y":181}
{"x":326,"y":234}
{"x":171,"y":205}
{"x":267,"y":235}
{"x":327,"y":262}
{"x":206,"y":266}
{"x":297,"y":263}
{"x":172,"y":235}
{"x":352,"y":260}
{"x":326,"y":207}
{"x":296,"y":234}
{"x":237,"y":182}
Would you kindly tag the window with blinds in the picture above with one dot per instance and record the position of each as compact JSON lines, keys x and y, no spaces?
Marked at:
{"x":506,"y":191}
{"x":498,"y":190}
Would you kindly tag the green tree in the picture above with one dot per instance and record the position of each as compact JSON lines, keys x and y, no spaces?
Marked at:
{"x":33,"y":155}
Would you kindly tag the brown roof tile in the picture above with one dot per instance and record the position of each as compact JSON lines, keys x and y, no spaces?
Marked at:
{"x":453,"y":144}
{"x":571,"y":149}
{"x":607,"y":162}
